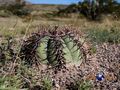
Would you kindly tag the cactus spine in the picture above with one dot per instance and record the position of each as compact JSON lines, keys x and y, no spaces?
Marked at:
{"x":53,"y":47}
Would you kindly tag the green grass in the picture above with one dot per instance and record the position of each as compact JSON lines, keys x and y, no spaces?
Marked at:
{"x":98,"y":35}
{"x":47,"y":83}
{"x":10,"y":82}
{"x":81,"y":85}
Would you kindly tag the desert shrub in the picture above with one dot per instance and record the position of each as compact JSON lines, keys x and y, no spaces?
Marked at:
{"x":92,"y":9}
{"x":103,"y":35}
{"x":70,"y":9}
{"x":16,"y":8}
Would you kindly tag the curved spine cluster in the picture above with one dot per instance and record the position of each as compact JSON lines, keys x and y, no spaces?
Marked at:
{"x":55,"y":47}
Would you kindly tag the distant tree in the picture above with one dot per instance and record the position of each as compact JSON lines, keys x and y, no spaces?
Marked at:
{"x":93,"y":9}
{"x":108,"y":6}
{"x":85,"y":8}
{"x":89,"y":8}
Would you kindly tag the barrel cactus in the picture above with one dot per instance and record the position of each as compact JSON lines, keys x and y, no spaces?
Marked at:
{"x":55,"y":47}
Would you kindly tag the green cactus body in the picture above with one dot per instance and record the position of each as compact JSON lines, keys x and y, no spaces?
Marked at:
{"x":50,"y":51}
{"x":72,"y":51}
{"x":41,"y":50}
{"x":47,"y":51}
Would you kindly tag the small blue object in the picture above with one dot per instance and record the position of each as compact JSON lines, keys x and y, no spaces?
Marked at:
{"x":100,"y":76}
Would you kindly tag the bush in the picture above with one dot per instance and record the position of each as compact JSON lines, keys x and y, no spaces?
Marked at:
{"x":16,"y":8}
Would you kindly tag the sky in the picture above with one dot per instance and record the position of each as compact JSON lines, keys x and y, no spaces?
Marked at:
{"x":54,"y":1}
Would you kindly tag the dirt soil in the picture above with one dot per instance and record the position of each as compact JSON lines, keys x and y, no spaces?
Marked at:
{"x":106,"y":59}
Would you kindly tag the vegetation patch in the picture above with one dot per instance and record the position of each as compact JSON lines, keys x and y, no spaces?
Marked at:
{"x":104,"y":36}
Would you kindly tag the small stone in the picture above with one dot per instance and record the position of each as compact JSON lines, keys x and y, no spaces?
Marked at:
{"x":100,"y":76}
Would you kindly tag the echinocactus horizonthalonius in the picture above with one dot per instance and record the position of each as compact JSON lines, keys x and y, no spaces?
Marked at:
{"x":54,"y":46}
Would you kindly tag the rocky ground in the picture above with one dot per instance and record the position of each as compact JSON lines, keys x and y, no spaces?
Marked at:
{"x":106,"y":60}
